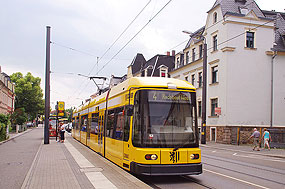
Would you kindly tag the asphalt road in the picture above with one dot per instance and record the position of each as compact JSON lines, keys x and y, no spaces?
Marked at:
{"x":228,"y":169}
{"x":16,"y":157}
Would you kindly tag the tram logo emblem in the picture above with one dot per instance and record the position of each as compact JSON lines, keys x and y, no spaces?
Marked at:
{"x":174,"y":156}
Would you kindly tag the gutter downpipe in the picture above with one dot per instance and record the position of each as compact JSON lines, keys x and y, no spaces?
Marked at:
{"x":271,"y":105}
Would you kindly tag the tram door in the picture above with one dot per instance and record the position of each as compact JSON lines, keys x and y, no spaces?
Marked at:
{"x":89,"y":118}
{"x":101,"y":131}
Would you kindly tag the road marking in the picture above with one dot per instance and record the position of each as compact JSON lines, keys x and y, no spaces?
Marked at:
{"x":214,"y":151}
{"x":236,"y":179}
{"x":97,"y":179}
{"x":261,"y":158}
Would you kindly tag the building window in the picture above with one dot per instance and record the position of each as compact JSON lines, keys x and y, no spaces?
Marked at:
{"x":214,"y":104}
{"x":193,"y":54}
{"x":215,"y":43}
{"x":249,"y":39}
{"x":187,"y":57}
{"x":193,"y":79}
{"x":215,"y":74}
{"x":200,"y":79}
{"x":215,"y":17}
{"x":199,"y":108}
{"x":177,"y":62}
{"x":200,"y":51}
{"x":163,"y":73}
{"x":186,"y":78}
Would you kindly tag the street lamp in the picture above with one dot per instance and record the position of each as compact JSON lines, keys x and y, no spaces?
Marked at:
{"x":204,"y":88}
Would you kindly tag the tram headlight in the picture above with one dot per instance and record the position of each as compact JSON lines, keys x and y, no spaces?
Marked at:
{"x":151,"y":157}
{"x":194,"y":156}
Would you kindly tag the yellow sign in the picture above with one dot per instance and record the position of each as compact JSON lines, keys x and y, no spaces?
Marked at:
{"x":60,"y":108}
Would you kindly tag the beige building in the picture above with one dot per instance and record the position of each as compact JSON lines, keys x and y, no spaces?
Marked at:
{"x":245,"y":69}
{"x":7,"y":94}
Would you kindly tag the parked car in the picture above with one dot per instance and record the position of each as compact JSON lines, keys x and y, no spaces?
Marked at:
{"x":30,"y":124}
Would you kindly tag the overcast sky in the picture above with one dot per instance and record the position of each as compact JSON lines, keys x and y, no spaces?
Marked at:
{"x":90,"y":27}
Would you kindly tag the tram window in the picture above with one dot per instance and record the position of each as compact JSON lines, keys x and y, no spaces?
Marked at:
{"x":110,"y":123}
{"x":119,"y":126}
{"x":164,"y":119}
{"x":84,"y":120}
{"x":126,"y":127}
{"x":73,"y":122}
{"x":94,"y":124}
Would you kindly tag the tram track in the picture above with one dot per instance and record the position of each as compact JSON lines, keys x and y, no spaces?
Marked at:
{"x":197,"y":182}
{"x":244,"y":173}
{"x":244,"y":164}
{"x":156,"y":182}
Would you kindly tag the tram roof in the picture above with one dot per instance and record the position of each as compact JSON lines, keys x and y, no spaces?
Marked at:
{"x":138,"y":82}
{"x":151,"y":82}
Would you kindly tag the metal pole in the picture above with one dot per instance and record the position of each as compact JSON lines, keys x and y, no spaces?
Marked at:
{"x":271,"y":105}
{"x":56,"y":122}
{"x":47,"y":88}
{"x":204,"y":95}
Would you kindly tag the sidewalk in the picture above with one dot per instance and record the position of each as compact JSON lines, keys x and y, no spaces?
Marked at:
{"x":14,"y":135}
{"x":278,"y":153}
{"x":65,"y":165}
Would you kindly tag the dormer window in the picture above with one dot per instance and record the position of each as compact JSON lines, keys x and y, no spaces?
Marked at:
{"x":163,"y":71}
{"x":215,"y":17}
{"x":244,"y":11}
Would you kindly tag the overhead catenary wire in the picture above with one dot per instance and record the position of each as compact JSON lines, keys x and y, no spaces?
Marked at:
{"x":133,"y":36}
{"x":223,"y":19}
{"x":73,"y":49}
{"x":127,"y":43}
{"x":175,"y":46}
{"x":100,"y":58}
{"x":232,"y":38}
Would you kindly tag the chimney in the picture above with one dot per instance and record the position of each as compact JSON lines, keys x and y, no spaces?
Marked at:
{"x":173,"y":53}
{"x":168,"y":53}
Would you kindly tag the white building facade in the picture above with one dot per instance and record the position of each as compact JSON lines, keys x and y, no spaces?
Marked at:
{"x":243,"y":44}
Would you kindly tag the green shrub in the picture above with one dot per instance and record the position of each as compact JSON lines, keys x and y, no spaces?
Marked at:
{"x":3,"y":135}
{"x":4,"y":122}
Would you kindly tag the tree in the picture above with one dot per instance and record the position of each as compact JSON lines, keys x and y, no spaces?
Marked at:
{"x":68,"y":114}
{"x":29,"y":94}
{"x":19,"y":117}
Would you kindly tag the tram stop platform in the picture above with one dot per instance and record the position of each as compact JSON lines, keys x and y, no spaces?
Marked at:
{"x":73,"y":165}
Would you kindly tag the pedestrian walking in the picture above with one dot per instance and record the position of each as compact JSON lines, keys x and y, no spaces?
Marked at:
{"x":266,"y":137}
{"x":62,"y":131}
{"x":255,"y":135}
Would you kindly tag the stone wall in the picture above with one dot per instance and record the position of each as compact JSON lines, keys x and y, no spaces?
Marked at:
{"x":234,"y":135}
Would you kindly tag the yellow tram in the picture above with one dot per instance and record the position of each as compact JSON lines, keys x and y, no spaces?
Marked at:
{"x":145,"y":125}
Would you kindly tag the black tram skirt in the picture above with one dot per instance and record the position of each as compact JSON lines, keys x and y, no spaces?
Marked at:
{"x":176,"y":169}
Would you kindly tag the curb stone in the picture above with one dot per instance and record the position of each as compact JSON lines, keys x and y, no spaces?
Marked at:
{"x":19,"y":134}
{"x":269,"y":155}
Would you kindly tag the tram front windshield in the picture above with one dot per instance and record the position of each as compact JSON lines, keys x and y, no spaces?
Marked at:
{"x":164,"y":119}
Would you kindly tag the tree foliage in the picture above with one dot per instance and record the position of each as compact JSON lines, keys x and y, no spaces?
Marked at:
{"x":68,"y":114}
{"x":29,"y":94}
{"x":19,"y":117}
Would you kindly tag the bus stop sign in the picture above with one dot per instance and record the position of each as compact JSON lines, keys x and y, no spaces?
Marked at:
{"x":60,"y":108}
